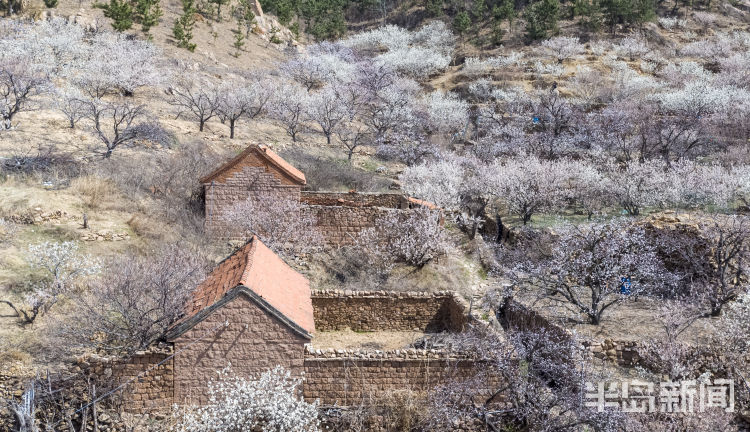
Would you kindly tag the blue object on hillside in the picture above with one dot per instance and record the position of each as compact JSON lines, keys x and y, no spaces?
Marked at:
{"x":535,"y":120}
{"x":625,"y":285}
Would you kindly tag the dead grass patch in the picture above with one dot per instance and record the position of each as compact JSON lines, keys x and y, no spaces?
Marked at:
{"x":146,"y":227}
{"x":95,"y":192}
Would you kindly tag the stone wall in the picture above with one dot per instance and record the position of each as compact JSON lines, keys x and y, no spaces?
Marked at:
{"x":250,"y":181}
{"x":350,"y":377}
{"x":385,"y":310}
{"x":149,"y":376}
{"x":252,"y":342}
{"x":355,"y":199}
{"x":341,"y":225}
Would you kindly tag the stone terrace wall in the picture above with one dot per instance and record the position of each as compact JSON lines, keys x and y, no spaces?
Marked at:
{"x":385,"y":310}
{"x":355,"y":199}
{"x":152,"y":387}
{"x":346,"y":378}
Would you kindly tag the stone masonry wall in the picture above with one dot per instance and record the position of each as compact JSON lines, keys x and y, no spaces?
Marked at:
{"x":340,"y":225}
{"x":347,"y":378}
{"x":381,"y":310}
{"x":150,"y":387}
{"x":252,"y":342}
{"x":355,"y":199}
{"x":248,"y":182}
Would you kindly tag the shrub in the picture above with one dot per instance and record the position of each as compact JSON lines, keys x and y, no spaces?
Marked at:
{"x":269,"y":402}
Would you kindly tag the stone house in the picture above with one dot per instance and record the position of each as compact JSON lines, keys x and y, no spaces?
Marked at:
{"x":254,"y":172}
{"x":259,"y":171}
{"x":253,"y":311}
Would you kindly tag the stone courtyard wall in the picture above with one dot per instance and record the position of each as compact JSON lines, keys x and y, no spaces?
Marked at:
{"x":386,"y":310}
{"x":351,"y":377}
{"x":341,"y":225}
{"x":355,"y":199}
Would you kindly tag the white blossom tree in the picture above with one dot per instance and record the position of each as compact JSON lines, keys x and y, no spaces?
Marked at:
{"x":563,"y":47}
{"x":529,"y":186}
{"x":63,"y":266}
{"x":584,"y":270}
{"x":281,"y":223}
{"x":289,"y":107}
{"x":269,"y":402}
{"x":238,"y":99}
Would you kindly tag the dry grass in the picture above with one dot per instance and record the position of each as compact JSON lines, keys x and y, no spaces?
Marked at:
{"x":95,"y":192}
{"x":146,"y":227}
{"x":380,"y":340}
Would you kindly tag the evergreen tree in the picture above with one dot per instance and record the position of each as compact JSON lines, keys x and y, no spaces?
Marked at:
{"x":590,"y":12}
{"x":239,"y":39}
{"x":147,"y":13}
{"x":434,"y":8}
{"x":50,"y":3}
{"x":505,"y":10}
{"x":461,"y":23}
{"x":627,"y":12}
{"x":479,"y":9}
{"x":120,"y":12}
{"x":218,"y":4}
{"x":246,"y":16}
{"x":541,"y":18}
{"x":183,"y":26}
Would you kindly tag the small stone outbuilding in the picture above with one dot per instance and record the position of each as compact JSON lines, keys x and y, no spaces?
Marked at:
{"x":253,"y":311}
{"x":258,"y":171}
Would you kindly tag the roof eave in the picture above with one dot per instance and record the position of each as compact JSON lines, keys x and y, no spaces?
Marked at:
{"x":183,"y":327}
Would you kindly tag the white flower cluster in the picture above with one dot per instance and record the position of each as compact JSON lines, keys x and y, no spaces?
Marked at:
{"x":669,"y":23}
{"x":477,"y":66}
{"x":270,"y":402}
{"x":447,"y":113}
{"x":418,"y":54}
{"x":555,"y":70}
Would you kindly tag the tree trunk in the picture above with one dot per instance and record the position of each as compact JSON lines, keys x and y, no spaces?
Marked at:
{"x":200,"y":124}
{"x":231,"y":128}
{"x":500,"y":228}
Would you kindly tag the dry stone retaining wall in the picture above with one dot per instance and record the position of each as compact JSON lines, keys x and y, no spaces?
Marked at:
{"x":355,"y":199}
{"x":381,"y":310}
{"x":349,"y":377}
{"x":149,"y":376}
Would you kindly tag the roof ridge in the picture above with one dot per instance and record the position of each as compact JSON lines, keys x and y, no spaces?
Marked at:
{"x":269,"y":155}
{"x":249,"y":259}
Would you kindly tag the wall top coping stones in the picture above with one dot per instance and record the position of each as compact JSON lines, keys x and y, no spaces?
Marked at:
{"x":399,"y":354}
{"x":385,"y":294}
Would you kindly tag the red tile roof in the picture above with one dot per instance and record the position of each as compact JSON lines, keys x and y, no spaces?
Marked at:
{"x":282,"y":166}
{"x":259,"y":269}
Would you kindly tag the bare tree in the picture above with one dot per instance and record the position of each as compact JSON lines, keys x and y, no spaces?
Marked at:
{"x":118,"y":123}
{"x":201,"y":103}
{"x":72,"y":103}
{"x":19,"y":83}
{"x":717,"y":258}
{"x":135,"y":302}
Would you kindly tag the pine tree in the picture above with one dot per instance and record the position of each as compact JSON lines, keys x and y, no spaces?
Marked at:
{"x":183,"y":26}
{"x":239,"y":40}
{"x":246,"y":15}
{"x":461,"y":23}
{"x":506,"y":10}
{"x":147,"y":13}
{"x":541,"y":18}
{"x":479,"y":9}
{"x":120,"y":12}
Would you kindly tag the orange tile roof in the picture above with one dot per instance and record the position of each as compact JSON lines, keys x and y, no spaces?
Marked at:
{"x":259,"y":269}
{"x":266,"y":153}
